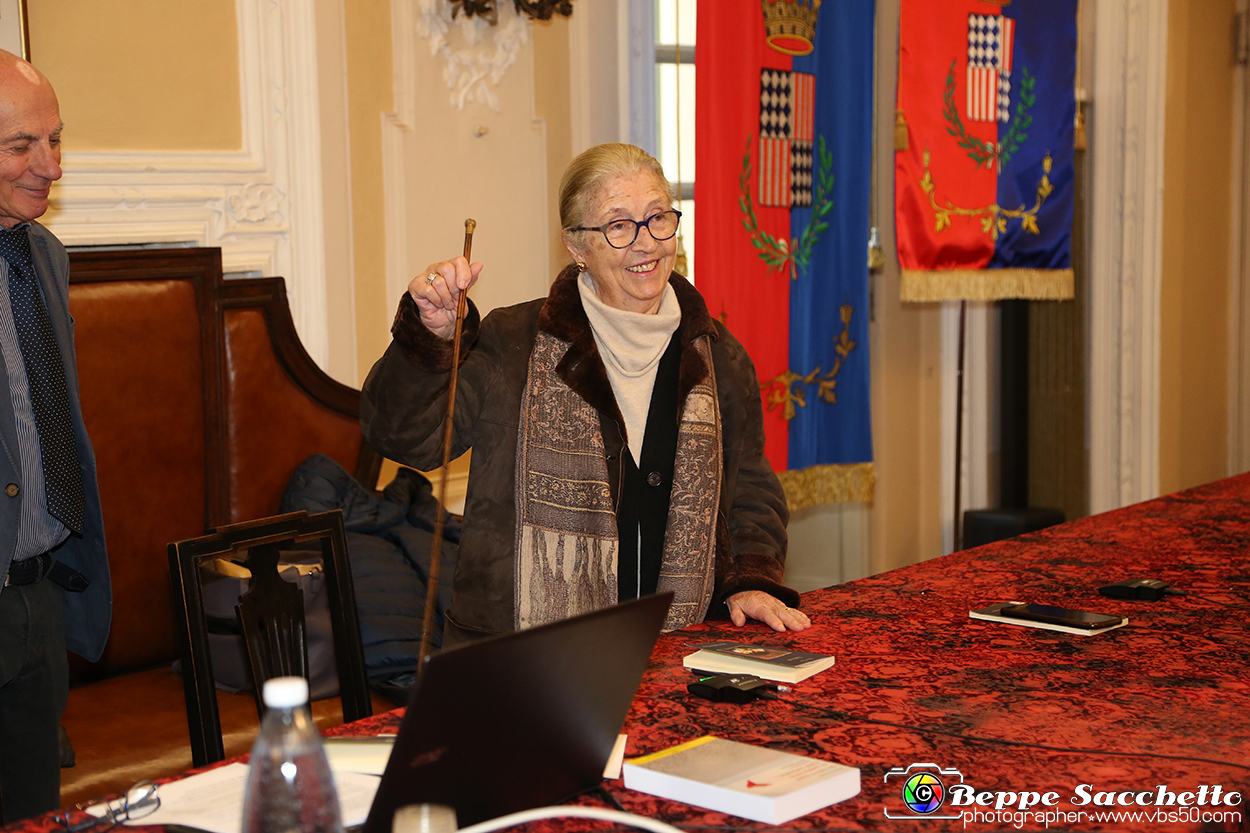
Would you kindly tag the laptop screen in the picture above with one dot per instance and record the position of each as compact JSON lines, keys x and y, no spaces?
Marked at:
{"x":520,"y":720}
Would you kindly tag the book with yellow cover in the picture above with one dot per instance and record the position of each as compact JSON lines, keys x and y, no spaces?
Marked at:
{"x":748,"y":781}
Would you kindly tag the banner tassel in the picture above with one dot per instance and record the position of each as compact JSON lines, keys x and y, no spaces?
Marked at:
{"x":900,"y":131}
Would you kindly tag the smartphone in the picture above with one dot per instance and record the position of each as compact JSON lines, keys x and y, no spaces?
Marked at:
{"x":1060,"y":616}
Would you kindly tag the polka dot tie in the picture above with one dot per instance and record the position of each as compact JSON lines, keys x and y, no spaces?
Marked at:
{"x":45,"y":373}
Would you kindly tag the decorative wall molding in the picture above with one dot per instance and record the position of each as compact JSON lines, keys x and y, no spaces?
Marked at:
{"x":1126,"y":220}
{"x":262,"y":204}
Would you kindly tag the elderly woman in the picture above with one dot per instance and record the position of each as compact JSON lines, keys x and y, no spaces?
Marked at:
{"x":616,"y":428}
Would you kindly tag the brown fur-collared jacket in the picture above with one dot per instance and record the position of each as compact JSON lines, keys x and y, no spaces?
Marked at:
{"x":405,"y":403}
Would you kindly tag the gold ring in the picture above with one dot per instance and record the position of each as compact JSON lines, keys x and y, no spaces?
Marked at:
{"x":429,"y":279}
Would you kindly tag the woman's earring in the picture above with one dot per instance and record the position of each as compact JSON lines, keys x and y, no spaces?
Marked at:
{"x":581,"y":267}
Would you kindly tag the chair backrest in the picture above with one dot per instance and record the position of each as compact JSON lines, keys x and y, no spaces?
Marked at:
{"x":271,"y":615}
{"x":273,"y":647}
{"x":200,"y":401}
{"x":148,"y":374}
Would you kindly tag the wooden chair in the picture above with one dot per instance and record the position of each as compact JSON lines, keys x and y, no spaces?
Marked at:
{"x":271,"y":613}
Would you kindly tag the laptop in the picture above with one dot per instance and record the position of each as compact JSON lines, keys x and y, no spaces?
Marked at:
{"x":521,"y":720}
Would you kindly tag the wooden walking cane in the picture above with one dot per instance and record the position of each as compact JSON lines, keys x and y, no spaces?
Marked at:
{"x":440,"y":515}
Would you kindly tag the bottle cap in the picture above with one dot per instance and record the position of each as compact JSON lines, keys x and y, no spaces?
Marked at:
{"x":285,"y":692}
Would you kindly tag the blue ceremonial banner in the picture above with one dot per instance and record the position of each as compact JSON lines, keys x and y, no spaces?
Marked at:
{"x":783,"y":155}
{"x":985,"y":181}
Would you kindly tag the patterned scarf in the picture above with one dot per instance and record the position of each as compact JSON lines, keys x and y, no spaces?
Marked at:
{"x":566,"y":556}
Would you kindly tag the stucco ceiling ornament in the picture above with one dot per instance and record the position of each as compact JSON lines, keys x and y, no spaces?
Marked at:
{"x":537,"y":9}
{"x":473,"y":68}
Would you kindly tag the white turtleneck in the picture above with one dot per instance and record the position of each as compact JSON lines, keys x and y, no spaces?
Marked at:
{"x":631,"y":344}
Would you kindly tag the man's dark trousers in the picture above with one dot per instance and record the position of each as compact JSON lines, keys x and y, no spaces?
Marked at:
{"x":34,"y":686}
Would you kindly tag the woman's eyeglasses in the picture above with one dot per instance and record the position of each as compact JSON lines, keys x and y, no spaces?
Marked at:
{"x":622,"y":233}
{"x":140,"y":801}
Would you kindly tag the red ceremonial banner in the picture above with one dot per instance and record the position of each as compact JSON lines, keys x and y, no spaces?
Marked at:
{"x":755,"y":303}
{"x":964,"y":245}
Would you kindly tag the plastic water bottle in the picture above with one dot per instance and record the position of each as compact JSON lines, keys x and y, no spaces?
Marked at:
{"x":289,"y":786}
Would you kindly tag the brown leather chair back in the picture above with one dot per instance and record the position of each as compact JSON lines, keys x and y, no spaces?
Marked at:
{"x":279,"y":406}
{"x":145,"y":380}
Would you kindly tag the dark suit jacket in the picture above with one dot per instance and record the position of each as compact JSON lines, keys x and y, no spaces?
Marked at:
{"x":87,"y":614}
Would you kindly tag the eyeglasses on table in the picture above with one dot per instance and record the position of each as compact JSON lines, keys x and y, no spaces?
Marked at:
{"x":140,"y":801}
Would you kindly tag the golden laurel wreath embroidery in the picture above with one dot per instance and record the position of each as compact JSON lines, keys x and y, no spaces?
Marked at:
{"x":788,"y":388}
{"x":993,"y":217}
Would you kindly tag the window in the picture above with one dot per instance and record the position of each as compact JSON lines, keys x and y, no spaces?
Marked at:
{"x":674,"y":79}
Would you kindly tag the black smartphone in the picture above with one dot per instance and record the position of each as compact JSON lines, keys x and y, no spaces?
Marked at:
{"x":1060,"y":616}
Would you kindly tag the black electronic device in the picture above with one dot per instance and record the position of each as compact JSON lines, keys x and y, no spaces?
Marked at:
{"x":520,"y":720}
{"x":730,"y":688}
{"x":1142,"y":589}
{"x":1060,"y":616}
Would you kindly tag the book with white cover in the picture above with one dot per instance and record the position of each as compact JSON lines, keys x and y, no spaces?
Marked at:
{"x":748,"y":781}
{"x":779,"y":664}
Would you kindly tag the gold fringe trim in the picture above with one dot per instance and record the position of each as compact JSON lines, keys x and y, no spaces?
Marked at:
{"x":988,"y":285}
{"x":848,"y":483}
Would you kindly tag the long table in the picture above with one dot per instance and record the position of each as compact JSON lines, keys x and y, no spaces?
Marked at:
{"x":1160,"y":707}
{"x":1171,"y":685}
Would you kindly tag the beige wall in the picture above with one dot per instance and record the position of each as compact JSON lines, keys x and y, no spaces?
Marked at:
{"x":342,"y":360}
{"x":552,"y":105}
{"x":905,"y":342}
{"x":1193,"y":418}
{"x":141,"y":74}
{"x":370,"y":97}
{"x":906,"y":517}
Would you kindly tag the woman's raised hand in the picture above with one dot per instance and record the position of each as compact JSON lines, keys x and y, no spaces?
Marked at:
{"x":436,"y":292}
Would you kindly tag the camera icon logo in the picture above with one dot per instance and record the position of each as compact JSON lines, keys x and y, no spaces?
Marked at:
{"x":924,"y":789}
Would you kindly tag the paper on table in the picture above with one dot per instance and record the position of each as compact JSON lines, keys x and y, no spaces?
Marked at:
{"x":213,"y":800}
{"x":616,"y":759}
{"x":364,"y":755}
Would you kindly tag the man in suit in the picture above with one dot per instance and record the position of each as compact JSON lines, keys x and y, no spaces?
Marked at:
{"x":55,"y":593}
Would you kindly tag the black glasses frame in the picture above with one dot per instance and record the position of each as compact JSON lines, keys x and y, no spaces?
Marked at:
{"x":637,"y":227}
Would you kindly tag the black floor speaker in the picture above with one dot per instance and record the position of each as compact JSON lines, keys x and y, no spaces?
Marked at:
{"x":984,"y":526}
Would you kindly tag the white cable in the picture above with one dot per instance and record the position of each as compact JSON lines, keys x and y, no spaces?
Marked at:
{"x":541,"y":813}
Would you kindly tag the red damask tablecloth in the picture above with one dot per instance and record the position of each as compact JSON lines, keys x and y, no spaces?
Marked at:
{"x":1173,"y":682}
{"x":1170,"y":689}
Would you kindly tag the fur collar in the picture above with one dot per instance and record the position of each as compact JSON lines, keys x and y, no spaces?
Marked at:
{"x":582,"y":367}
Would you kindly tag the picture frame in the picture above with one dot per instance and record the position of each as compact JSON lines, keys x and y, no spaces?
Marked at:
{"x":14,"y":28}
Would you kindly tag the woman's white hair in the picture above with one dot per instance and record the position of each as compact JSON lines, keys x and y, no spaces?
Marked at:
{"x":593,"y":168}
